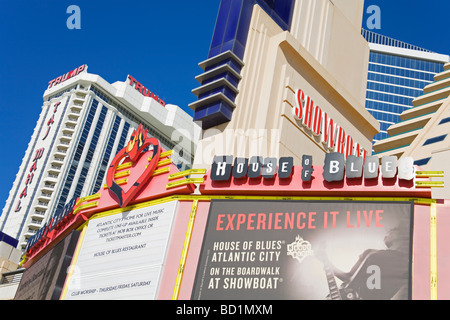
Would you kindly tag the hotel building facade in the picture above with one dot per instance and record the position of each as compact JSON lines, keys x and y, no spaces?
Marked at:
{"x":423,"y":130}
{"x":398,"y":73}
{"x":285,"y":78}
{"x":84,"y":122}
{"x":284,"y":81}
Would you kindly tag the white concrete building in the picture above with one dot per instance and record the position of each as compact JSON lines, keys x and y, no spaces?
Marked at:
{"x":84,"y":122}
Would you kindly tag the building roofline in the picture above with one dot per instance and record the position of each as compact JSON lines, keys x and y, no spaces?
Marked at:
{"x":373,"y":37}
{"x":423,"y":55}
{"x":167,"y":119}
{"x":384,"y":44}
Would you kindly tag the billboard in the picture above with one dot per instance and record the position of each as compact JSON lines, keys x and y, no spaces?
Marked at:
{"x":122,"y":254}
{"x":311,"y":250}
{"x":44,"y":280}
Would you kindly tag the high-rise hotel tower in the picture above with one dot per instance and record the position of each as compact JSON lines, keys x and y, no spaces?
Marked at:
{"x":398,"y":73}
{"x":84,"y":122}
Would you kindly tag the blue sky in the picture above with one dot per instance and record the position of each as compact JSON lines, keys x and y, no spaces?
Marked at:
{"x":160,"y":43}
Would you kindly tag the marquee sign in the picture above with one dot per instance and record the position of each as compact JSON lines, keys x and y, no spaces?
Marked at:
{"x":61,"y":216}
{"x":136,"y":175}
{"x":291,"y":250}
{"x":134,"y":150}
{"x":44,"y":280}
{"x":353,"y":175}
{"x":335,"y":166}
{"x":144,"y":172}
{"x":124,"y":252}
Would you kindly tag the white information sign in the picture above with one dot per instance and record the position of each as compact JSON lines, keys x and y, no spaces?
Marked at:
{"x":122,"y":255}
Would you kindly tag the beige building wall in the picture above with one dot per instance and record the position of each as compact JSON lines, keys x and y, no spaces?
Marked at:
{"x":9,"y":258}
{"x":353,"y":10}
{"x":325,"y":56}
{"x":330,"y":32}
{"x":440,"y":162}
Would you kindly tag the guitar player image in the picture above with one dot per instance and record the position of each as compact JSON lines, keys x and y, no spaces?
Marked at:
{"x":378,"y":274}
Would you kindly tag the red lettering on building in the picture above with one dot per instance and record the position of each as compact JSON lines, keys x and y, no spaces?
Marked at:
{"x":24,"y":192}
{"x":29,"y":178}
{"x":37,"y":155}
{"x":51,"y":120}
{"x":18,"y":207}
{"x":66,"y":76}
{"x":144,"y":91}
{"x":56,"y":107}
{"x":332,"y":136}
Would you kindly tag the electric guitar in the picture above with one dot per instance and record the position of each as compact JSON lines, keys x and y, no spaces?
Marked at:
{"x":337,"y":293}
